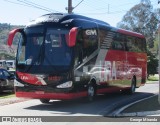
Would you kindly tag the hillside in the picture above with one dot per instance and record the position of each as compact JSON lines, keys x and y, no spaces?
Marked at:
{"x":5,"y":51}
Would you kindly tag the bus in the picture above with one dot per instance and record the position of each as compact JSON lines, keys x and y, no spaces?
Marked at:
{"x":66,"y":56}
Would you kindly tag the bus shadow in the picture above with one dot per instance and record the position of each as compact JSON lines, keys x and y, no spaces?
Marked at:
{"x":103,"y":105}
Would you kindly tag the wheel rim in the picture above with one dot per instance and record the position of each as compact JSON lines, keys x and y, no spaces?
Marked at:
{"x":90,"y":91}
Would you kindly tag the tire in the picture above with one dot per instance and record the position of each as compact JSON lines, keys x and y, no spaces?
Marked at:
{"x":132,"y":88}
{"x":1,"y":90}
{"x":45,"y":100}
{"x":91,"y":91}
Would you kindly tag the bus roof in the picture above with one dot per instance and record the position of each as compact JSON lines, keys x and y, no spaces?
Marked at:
{"x":62,"y":17}
{"x":68,"y":18}
{"x":127,"y":32}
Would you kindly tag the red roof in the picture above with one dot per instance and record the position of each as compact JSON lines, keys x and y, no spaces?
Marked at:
{"x":130,"y":33}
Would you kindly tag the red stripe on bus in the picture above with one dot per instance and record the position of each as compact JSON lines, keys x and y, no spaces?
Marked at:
{"x":40,"y":95}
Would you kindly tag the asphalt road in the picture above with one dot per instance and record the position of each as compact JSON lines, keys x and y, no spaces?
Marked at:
{"x":103,"y":105}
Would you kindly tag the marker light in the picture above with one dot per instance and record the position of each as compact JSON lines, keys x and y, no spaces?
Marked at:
{"x":65,"y":85}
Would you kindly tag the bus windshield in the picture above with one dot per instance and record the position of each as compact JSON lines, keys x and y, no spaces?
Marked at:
{"x":44,"y":51}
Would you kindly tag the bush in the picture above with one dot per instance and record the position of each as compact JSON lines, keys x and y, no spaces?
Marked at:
{"x":152,"y":64}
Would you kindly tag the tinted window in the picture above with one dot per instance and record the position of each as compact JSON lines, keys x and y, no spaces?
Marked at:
{"x":118,"y":42}
{"x":90,"y":41}
{"x":135,"y":44}
{"x":87,"y":43}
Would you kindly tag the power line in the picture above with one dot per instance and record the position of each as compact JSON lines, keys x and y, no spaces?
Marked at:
{"x":35,"y":6}
{"x":31,"y":4}
{"x":78,"y":4}
{"x":106,"y":13}
{"x":70,"y":8}
{"x":111,"y":12}
{"x":110,"y":7}
{"x":40,"y":5}
{"x":17,"y":3}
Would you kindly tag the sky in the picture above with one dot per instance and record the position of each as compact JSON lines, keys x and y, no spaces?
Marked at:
{"x":111,"y":11}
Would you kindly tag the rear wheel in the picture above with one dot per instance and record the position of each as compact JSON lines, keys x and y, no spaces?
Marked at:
{"x":132,"y":89}
{"x":45,"y":100}
{"x":133,"y":86}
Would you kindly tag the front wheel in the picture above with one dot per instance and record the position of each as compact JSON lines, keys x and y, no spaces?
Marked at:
{"x":91,"y":92}
{"x":45,"y":100}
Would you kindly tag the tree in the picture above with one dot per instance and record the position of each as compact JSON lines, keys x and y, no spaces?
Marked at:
{"x":141,"y":18}
{"x":152,"y":64}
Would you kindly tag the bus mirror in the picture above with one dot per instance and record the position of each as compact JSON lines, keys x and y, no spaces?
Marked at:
{"x":72,"y":37}
{"x":11,"y":36}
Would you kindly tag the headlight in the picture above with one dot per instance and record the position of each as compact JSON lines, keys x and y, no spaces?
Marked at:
{"x":65,"y":85}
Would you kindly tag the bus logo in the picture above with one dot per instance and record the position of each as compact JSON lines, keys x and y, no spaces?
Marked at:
{"x":91,"y":32}
{"x":24,"y":77}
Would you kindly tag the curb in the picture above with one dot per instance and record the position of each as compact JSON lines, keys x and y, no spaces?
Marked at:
{"x":145,"y":113}
{"x":118,"y":113}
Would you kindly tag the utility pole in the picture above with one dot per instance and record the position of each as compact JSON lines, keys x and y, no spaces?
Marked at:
{"x":159,"y":57}
{"x":108,"y":8}
{"x":159,"y":61}
{"x":70,"y":8}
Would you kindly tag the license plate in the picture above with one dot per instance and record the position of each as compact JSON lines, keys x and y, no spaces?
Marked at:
{"x":39,"y":92}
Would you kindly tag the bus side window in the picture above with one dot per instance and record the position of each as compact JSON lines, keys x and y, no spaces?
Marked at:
{"x":141,"y":45}
{"x":118,"y":45}
{"x":90,"y":42}
{"x":130,"y":44}
{"x":118,"y":42}
{"x":79,"y":49}
{"x":134,"y":44}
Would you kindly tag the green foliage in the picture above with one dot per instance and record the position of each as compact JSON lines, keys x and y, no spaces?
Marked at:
{"x":4,"y":31}
{"x":152,"y":63}
{"x":153,"y":78}
{"x":142,"y":19}
{"x":7,"y":56}
{"x":5,"y":52}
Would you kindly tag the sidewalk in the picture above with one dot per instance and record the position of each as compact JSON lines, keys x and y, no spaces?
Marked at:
{"x":11,"y":100}
{"x":146,"y":107}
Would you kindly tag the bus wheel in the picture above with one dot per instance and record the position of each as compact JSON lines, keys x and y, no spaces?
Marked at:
{"x":91,"y":92}
{"x":45,"y":100}
{"x":133,"y":86}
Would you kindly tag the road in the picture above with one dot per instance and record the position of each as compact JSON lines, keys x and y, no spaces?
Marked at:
{"x":103,"y":105}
